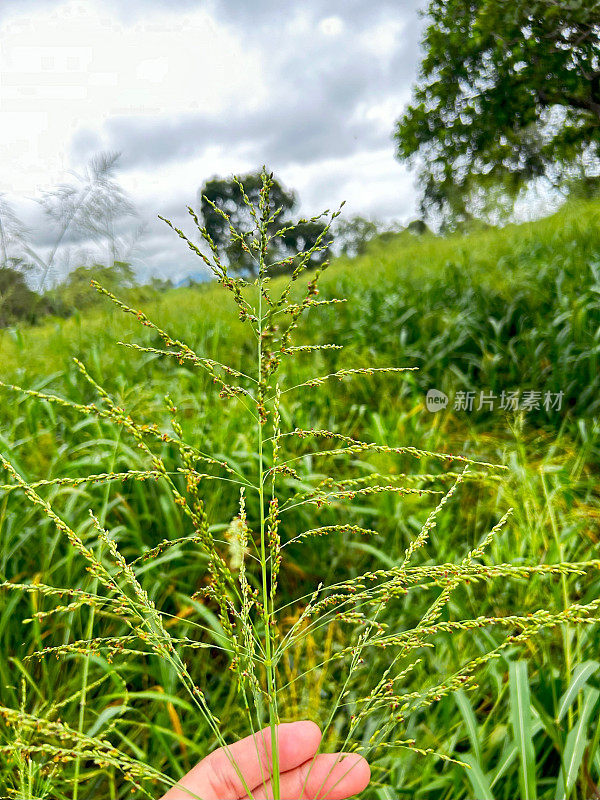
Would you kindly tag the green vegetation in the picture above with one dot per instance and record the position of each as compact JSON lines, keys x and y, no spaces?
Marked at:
{"x":218,"y":195}
{"x":508,"y":93}
{"x":498,"y":310}
{"x":87,"y":208}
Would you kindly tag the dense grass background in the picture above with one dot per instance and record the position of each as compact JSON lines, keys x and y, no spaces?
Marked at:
{"x":517,"y":308}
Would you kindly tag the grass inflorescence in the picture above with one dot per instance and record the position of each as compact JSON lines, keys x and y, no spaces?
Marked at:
{"x":299,"y":484}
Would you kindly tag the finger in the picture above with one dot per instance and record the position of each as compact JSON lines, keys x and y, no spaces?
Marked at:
{"x":331,"y":776}
{"x":216,"y":776}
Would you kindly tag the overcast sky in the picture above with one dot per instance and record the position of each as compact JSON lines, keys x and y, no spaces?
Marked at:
{"x":192,"y":89}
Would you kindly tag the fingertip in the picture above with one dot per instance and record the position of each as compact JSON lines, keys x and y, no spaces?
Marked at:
{"x":361,"y":771}
{"x":345,"y":775}
{"x":304,"y":733}
{"x":311,"y":728}
{"x":298,"y":741}
{"x":304,"y":728}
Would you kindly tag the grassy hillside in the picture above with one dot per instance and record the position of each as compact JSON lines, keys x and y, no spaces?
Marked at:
{"x":495,"y":311}
{"x":499,"y":309}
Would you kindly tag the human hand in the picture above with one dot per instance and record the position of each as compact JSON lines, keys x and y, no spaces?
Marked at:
{"x":327,"y":776}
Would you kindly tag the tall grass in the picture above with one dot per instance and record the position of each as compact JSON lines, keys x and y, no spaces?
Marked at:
{"x":285,"y":582}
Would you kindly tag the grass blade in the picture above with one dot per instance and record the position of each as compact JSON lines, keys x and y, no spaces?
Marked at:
{"x":520,"y":711}
{"x":466,"y":710}
{"x":581,"y":674}
{"x":481,"y":786}
{"x":510,"y":753}
{"x":577,"y":741}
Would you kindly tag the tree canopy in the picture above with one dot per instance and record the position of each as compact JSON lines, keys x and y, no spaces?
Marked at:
{"x":17,"y":300}
{"x":508,"y":92}
{"x":220,"y":196}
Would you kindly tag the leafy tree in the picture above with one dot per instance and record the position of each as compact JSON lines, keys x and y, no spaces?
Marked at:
{"x":354,"y":233}
{"x":508,"y":92}
{"x":74,"y":292}
{"x":418,"y":227}
{"x":302,"y":238}
{"x":17,"y":301}
{"x":219,"y":196}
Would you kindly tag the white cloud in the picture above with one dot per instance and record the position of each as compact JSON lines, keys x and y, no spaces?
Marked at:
{"x":153,"y":70}
{"x":75,"y":66}
{"x":206,"y":87}
{"x":382,"y":39}
{"x":331,"y":26}
{"x":372,"y":183}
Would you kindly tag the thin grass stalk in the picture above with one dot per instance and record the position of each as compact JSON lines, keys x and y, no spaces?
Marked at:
{"x":90,"y":628}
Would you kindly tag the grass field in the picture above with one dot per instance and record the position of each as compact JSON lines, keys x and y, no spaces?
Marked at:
{"x":508,"y":310}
